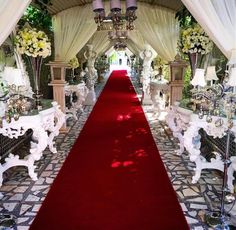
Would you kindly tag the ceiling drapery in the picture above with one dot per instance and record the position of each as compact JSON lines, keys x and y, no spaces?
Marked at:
{"x":159,"y":28}
{"x":72,"y":30}
{"x":218,"y":19}
{"x":75,"y":26}
{"x":100,"y":41}
{"x":10,"y":14}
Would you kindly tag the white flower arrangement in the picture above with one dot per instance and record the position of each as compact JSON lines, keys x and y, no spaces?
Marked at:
{"x":33,"y":43}
{"x":74,"y":63}
{"x":195,"y":40}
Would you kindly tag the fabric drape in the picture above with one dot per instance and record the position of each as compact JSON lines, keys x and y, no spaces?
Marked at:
{"x":137,"y":38}
{"x":159,"y":28}
{"x":100,"y":41}
{"x":133,"y":47}
{"x":10,"y":14}
{"x":218,"y":19}
{"x":72,"y":28}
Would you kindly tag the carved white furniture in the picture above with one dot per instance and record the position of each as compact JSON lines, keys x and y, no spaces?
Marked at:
{"x":81,"y":92}
{"x":185,"y":126}
{"x":49,"y":120}
{"x":156,"y":88}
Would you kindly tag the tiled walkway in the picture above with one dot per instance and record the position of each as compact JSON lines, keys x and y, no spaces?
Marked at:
{"x":23,"y":197}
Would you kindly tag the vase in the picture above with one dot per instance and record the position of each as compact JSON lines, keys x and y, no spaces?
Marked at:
{"x":36,"y":68}
{"x":72,"y":76}
{"x":193,"y":58}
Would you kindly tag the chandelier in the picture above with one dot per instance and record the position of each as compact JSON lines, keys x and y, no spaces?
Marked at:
{"x":116,"y":17}
{"x":118,"y":34}
{"x":120,"y":46}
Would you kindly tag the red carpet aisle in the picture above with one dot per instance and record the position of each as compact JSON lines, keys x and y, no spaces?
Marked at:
{"x":113,"y":178}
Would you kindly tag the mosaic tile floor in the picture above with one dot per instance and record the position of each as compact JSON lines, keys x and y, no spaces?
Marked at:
{"x":23,"y":197}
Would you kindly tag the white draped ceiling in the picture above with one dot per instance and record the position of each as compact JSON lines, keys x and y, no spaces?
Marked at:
{"x":75,"y":27}
{"x":159,"y":28}
{"x":100,"y":41}
{"x":10,"y":13}
{"x":218,"y":19}
{"x":72,"y":30}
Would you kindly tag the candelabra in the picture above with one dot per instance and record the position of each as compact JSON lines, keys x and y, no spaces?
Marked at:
{"x":217,"y":100}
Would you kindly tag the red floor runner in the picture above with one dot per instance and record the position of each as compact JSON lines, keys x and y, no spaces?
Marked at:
{"x":113,"y":178}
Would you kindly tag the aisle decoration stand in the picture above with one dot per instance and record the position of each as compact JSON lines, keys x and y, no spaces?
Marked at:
{"x":73,"y":63}
{"x":35,"y":45}
{"x":195,"y":42}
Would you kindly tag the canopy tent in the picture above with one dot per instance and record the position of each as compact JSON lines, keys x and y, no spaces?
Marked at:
{"x":75,"y":26}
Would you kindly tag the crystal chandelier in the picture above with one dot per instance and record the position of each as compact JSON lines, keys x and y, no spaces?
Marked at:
{"x":116,"y":17}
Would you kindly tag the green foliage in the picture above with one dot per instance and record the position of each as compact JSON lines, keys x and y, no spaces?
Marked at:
{"x":37,"y":19}
{"x":187,"y":86}
{"x":185,"y":18}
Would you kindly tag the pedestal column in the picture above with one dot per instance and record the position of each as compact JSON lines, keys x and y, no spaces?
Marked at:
{"x":58,"y":72}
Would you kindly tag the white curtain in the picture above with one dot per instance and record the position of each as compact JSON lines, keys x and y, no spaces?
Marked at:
{"x":137,"y":38}
{"x":218,"y":19}
{"x":10,"y":13}
{"x":100,"y":41}
{"x":159,"y":28}
{"x":72,"y":30}
{"x":133,"y":47}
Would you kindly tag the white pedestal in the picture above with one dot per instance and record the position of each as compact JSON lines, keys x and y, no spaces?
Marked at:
{"x":146,"y":99}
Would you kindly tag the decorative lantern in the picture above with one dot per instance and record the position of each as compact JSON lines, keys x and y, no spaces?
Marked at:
{"x":177,"y":70}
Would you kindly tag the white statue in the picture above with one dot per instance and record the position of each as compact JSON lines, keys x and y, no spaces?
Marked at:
{"x":90,"y":55}
{"x":147,"y":56}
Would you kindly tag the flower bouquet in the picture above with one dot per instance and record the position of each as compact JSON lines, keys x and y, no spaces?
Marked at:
{"x":36,"y":46}
{"x":74,"y":63}
{"x":194,"y":41}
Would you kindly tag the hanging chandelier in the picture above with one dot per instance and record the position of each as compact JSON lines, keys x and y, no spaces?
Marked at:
{"x":118,"y":19}
{"x":120,"y":46}
{"x":118,"y":34}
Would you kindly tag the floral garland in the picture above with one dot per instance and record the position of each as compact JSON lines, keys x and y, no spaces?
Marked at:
{"x":74,"y":63}
{"x":33,"y":43}
{"x":195,"y":40}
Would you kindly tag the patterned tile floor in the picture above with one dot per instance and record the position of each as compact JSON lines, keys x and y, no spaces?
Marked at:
{"x":23,"y":197}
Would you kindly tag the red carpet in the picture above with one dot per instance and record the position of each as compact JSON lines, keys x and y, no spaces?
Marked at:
{"x":113,"y":178}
